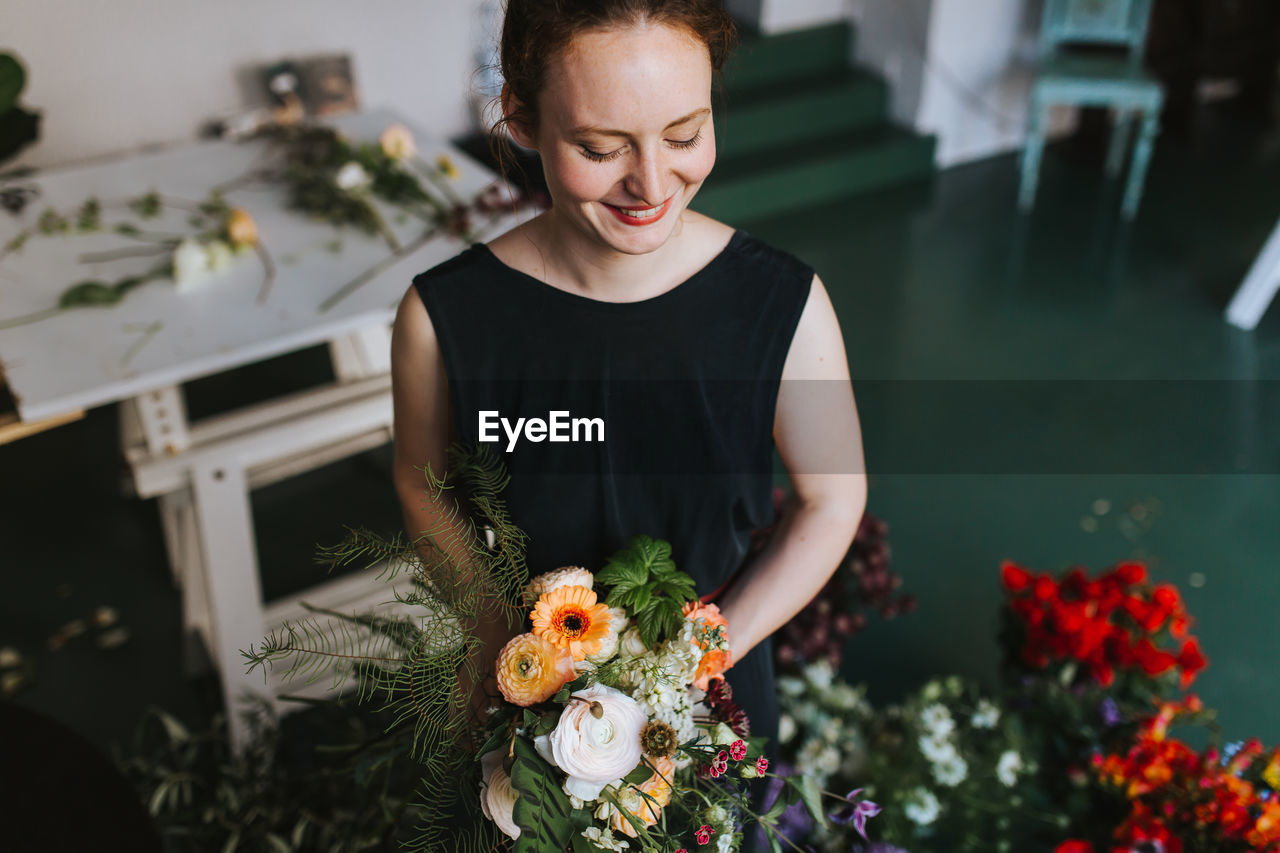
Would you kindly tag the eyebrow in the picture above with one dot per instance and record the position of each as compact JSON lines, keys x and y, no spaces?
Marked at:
{"x":600,"y":131}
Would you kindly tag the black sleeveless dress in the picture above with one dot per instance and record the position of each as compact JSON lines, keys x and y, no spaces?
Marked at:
{"x":671,"y":401}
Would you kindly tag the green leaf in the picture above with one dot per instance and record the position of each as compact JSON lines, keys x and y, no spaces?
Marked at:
{"x":639,"y":599}
{"x":579,"y":683}
{"x":542,"y":810}
{"x":89,"y":293}
{"x":13,"y":78}
{"x":809,"y":792}
{"x":640,"y":774}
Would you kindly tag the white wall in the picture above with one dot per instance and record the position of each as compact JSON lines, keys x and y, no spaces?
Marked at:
{"x":959,"y":69}
{"x":110,"y":76}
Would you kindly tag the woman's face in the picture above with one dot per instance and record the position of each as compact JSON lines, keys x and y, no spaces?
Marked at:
{"x":625,"y":133}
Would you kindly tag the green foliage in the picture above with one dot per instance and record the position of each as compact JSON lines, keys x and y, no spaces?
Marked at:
{"x":18,"y":127}
{"x":283,"y":793}
{"x":643,"y":579}
{"x":13,"y":79}
{"x":414,"y":663}
{"x":542,"y":811}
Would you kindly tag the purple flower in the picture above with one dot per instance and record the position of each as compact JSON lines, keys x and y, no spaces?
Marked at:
{"x":856,"y":813}
{"x":884,"y":847}
{"x":1109,"y":712}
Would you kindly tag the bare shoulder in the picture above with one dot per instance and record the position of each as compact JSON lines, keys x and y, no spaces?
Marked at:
{"x":817,"y":349}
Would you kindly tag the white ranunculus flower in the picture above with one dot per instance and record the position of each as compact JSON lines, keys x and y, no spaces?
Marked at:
{"x":497,"y":797}
{"x":352,"y":176}
{"x":595,"y":750}
{"x":630,"y":645}
{"x":1007,"y":768}
{"x":218,"y":255}
{"x":566,"y":576}
{"x":190,"y":263}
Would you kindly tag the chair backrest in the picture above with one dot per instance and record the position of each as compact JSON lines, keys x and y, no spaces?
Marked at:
{"x":1114,"y":22}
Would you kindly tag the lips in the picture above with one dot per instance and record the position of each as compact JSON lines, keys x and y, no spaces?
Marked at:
{"x":636,"y":216}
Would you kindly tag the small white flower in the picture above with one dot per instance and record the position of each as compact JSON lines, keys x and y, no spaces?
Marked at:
{"x":604,"y":810}
{"x":923,"y":807}
{"x":931,"y":691}
{"x":937,"y":749}
{"x":986,"y":716}
{"x":603,"y":839}
{"x":951,"y":772}
{"x":820,"y":674}
{"x":786,"y":728}
{"x":1007,"y":768}
{"x":352,"y":176}
{"x":789,"y":686}
{"x":218,"y":254}
{"x":937,"y":721}
{"x":724,"y":842}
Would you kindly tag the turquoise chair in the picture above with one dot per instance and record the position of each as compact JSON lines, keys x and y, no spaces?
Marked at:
{"x":1091,"y":78}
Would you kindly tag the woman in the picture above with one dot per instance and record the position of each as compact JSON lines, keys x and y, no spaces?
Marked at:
{"x":695,"y":346}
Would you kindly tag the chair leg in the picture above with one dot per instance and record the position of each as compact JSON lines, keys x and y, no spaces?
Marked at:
{"x":1141,"y":159}
{"x":1119,"y":142}
{"x":1031,"y":154}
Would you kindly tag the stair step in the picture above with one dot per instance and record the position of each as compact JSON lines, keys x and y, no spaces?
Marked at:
{"x":759,"y":61}
{"x":777,"y":181}
{"x":780,"y":114}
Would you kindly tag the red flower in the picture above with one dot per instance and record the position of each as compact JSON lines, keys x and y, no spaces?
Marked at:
{"x":762,"y":764}
{"x":1014,"y":578}
{"x":703,"y":835}
{"x":1044,"y":588}
{"x":1074,"y":846}
{"x":738,"y":750}
{"x":1131,"y":574}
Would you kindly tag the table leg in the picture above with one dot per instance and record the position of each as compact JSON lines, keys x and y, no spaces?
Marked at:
{"x":234,"y":593}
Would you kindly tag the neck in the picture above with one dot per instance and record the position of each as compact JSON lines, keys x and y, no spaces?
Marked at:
{"x":572,"y":259}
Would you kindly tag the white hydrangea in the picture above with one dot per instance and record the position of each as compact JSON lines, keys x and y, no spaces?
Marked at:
{"x":986,"y":716}
{"x":922,"y":807}
{"x":937,"y":720}
{"x":951,"y":772}
{"x":790,"y":686}
{"x":1008,"y":766}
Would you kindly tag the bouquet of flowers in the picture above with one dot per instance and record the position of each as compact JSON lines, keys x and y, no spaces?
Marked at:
{"x":616,"y":731}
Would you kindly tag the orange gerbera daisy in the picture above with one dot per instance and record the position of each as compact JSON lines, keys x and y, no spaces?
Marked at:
{"x":568,"y":617}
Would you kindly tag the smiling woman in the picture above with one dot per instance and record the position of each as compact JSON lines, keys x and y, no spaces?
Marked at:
{"x":700,"y":346}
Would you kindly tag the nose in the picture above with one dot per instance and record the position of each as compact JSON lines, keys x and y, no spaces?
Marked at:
{"x":645,"y":181}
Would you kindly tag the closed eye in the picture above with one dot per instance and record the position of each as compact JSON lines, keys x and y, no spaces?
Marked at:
{"x":606,"y":156}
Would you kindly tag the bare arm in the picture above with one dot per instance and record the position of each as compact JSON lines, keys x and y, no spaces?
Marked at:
{"x":421,"y":430}
{"x":818,"y":437}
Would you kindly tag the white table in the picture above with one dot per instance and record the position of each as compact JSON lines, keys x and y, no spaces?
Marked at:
{"x":140,"y":351}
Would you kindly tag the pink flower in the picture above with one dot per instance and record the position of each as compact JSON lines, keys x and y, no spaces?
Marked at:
{"x":703,"y":835}
{"x":738,"y":750}
{"x":762,"y":764}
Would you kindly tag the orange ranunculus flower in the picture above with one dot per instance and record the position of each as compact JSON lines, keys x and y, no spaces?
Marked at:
{"x":635,"y":802}
{"x":568,"y":617}
{"x":714,"y":664}
{"x":531,"y":670}
{"x":241,"y":229}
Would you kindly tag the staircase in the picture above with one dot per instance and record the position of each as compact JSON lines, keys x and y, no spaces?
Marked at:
{"x":797,"y":126}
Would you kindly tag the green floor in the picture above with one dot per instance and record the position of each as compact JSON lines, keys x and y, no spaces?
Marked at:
{"x":939,"y":283}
